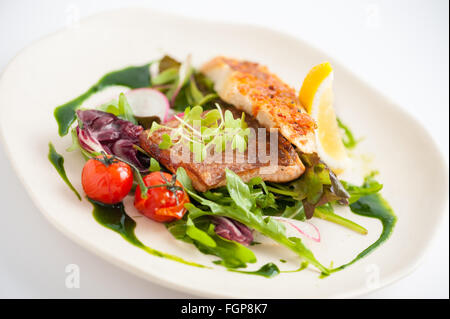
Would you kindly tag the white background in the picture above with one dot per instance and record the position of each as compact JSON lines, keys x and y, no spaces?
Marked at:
{"x":401,"y":47}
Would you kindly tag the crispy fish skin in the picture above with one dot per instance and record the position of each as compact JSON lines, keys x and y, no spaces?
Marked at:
{"x":250,"y":87}
{"x":211,"y":173}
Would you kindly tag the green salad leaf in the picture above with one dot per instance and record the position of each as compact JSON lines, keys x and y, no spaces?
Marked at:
{"x":244,"y":209}
{"x":120,"y":108}
{"x":370,"y":186}
{"x":317,"y":186}
{"x":200,"y":233}
{"x":296,"y":211}
{"x":154,"y":165}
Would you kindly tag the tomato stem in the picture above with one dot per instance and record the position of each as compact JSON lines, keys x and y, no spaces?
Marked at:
{"x":107,"y":160}
{"x":166,"y":185}
{"x":136,"y":173}
{"x":171,"y":185}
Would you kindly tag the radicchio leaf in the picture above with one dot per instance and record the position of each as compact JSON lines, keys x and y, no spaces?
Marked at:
{"x":100,"y":131}
{"x":124,"y":149}
{"x":232,"y":230}
{"x":90,"y":143}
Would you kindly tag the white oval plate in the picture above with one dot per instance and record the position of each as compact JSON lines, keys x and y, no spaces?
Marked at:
{"x":61,"y":66}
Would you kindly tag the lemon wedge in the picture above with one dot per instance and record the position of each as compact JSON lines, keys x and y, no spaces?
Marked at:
{"x":316,"y":96}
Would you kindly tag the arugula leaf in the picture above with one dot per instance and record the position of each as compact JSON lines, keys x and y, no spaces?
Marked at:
{"x":198,"y":234}
{"x":244,"y":209}
{"x":263,"y":197}
{"x":238,"y":190}
{"x":232,"y":254}
{"x":184,"y":179}
{"x":370,"y":186}
{"x":295,"y":212}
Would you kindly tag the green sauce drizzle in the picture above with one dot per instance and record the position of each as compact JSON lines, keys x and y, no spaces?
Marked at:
{"x":132,"y":77}
{"x":115,"y":218}
{"x":348,"y":138}
{"x":374,"y":206}
{"x":303,"y":265}
{"x":269,"y":270}
{"x":58,"y":162}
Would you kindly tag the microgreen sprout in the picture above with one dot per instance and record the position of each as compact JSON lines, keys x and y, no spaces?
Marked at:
{"x":202,"y":132}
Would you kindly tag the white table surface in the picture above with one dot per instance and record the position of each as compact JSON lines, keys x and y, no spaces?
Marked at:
{"x":400,"y":47}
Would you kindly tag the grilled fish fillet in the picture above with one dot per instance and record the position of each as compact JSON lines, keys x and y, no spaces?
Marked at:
{"x":211,"y":172}
{"x":250,"y":87}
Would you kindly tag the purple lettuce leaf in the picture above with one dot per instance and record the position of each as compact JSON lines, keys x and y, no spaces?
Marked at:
{"x":232,"y":230}
{"x":100,"y":131}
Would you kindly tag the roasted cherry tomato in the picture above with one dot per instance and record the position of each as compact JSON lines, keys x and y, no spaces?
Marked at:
{"x":165,"y":198}
{"x":106,"y":179}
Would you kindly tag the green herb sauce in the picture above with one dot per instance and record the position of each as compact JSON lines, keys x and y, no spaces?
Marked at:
{"x":303,"y":265}
{"x":58,"y":162}
{"x":115,"y":218}
{"x":269,"y":270}
{"x":348,"y":138}
{"x":132,"y":77}
{"x":374,"y":206}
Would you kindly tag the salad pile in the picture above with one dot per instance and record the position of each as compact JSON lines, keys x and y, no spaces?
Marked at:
{"x":223,"y":221}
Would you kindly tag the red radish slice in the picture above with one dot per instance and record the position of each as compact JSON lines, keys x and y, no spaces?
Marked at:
{"x":147,"y":102}
{"x":305,"y":228}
